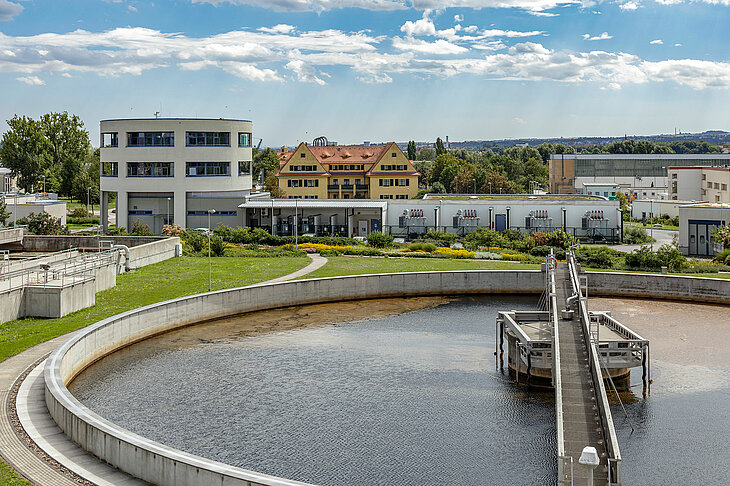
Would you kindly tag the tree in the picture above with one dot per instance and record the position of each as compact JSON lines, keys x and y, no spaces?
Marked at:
{"x":463,"y":182}
{"x":426,"y":153}
{"x":271,"y":184}
{"x":87,"y":177}
{"x":4,"y":213}
{"x":440,"y":150}
{"x":24,"y":151}
{"x":68,"y":145}
{"x":496,"y":183}
{"x":264,"y":160}
{"x":412,"y":152}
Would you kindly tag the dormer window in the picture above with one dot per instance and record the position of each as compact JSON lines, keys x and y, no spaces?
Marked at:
{"x":302,"y":155}
{"x":392,"y":154}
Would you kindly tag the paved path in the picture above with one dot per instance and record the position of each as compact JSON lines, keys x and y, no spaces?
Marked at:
{"x":662,"y":237}
{"x":37,"y":423}
{"x":317,"y":263}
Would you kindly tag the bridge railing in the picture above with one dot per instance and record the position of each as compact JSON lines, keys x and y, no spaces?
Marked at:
{"x":604,"y":410}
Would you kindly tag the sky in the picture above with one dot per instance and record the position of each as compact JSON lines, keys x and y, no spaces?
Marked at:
{"x":375,"y":70}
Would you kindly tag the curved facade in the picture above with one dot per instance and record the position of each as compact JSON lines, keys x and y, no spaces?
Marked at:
{"x":173,"y":170}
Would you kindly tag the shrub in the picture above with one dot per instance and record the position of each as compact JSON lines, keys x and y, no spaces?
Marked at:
{"x":140,"y":229}
{"x":441,"y":238}
{"x":79,"y":213}
{"x":329,"y":253}
{"x":633,"y":235}
{"x":362,"y":251}
{"x":217,"y":246}
{"x":82,"y":220}
{"x":539,"y":238}
{"x":485,"y":237}
{"x":598,"y":257}
{"x":428,"y":247}
{"x":487,"y":255}
{"x":194,"y":239}
{"x":542,"y":251}
{"x":43,"y":224}
{"x":671,"y":257}
{"x":455,"y":253}
{"x":560,"y":239}
{"x":171,"y":230}
{"x":380,"y":240}
{"x":722,"y":256}
{"x":643,"y":258}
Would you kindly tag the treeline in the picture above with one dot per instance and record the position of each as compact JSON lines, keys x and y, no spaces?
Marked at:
{"x":53,"y":153}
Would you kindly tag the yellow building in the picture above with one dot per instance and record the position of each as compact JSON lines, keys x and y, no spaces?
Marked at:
{"x":348,"y":172}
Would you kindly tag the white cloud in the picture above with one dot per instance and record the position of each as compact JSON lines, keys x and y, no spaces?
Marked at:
{"x":439,"y":47}
{"x":629,"y":6}
{"x":31,"y":80}
{"x":611,"y":86}
{"x":602,"y":36}
{"x":458,"y":18}
{"x":518,"y":120}
{"x":131,"y":8}
{"x":314,"y":5}
{"x":657,"y":42}
{"x":677,"y":45}
{"x":8,"y":10}
{"x":305,"y":72}
{"x":423,"y":26}
{"x":266,"y":56}
{"x":278,"y":29}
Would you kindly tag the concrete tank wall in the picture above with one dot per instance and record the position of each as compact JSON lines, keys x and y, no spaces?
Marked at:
{"x":159,"y":464}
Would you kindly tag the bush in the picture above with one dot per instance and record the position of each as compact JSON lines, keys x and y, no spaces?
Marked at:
{"x":722,"y":256}
{"x":217,"y":246}
{"x":671,"y":257}
{"x":139,"y":229}
{"x":79,"y":213}
{"x":487,"y":255}
{"x":362,"y":251}
{"x":43,"y":224}
{"x":485,"y":237}
{"x":598,"y":257}
{"x":634,"y":235}
{"x":171,"y":230}
{"x":329,"y":253}
{"x":428,"y":247}
{"x":539,"y":238}
{"x":441,"y":238}
{"x":560,"y":239}
{"x":666,"y":256}
{"x":541,"y":251}
{"x":194,"y":239}
{"x":82,"y":220}
{"x":380,"y":240}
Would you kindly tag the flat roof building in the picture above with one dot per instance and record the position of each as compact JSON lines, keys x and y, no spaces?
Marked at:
{"x":700,"y":183}
{"x":173,"y":170}
{"x":697,"y":223}
{"x":639,"y":175}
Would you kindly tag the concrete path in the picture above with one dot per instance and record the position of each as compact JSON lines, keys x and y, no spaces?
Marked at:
{"x":662,"y":237}
{"x":69,"y":465}
{"x":317,"y":263}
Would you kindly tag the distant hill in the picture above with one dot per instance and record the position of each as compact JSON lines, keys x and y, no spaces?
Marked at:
{"x":717,"y":137}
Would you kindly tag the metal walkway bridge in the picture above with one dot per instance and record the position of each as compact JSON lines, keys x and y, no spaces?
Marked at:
{"x":581,"y":404}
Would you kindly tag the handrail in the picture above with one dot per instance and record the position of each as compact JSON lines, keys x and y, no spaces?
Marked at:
{"x":557,"y":380}
{"x":612,"y":447}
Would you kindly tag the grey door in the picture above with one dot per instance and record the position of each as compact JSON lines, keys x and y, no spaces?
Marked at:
{"x":500,"y":222}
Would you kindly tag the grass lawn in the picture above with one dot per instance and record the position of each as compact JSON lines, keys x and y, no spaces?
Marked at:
{"x":360,"y":265}
{"x":707,"y":275}
{"x":9,"y":478}
{"x":162,"y":281}
{"x":648,"y":228}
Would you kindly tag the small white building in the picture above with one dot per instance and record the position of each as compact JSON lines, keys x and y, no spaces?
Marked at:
{"x":700,"y":183}
{"x":603,"y":189}
{"x":22,"y":205}
{"x":174,"y":170}
{"x":697,"y":222}
{"x":643,"y":208}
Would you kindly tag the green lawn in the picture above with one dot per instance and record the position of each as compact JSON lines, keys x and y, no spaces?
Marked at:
{"x":707,"y":275}
{"x":9,"y":478}
{"x":162,"y":281}
{"x":648,"y":228}
{"x":360,"y":265}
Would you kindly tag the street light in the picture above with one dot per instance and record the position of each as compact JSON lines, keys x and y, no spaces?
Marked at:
{"x":210,"y":211}
{"x":651,"y":223}
{"x":88,"y":196}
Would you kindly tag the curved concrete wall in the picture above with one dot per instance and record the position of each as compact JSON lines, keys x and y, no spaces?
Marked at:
{"x":158,"y":464}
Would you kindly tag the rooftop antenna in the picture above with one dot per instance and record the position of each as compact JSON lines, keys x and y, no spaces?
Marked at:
{"x":157,"y":115}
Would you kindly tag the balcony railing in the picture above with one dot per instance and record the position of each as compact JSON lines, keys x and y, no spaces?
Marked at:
{"x":347,"y":186}
{"x":333,"y":186}
{"x":361,"y":186}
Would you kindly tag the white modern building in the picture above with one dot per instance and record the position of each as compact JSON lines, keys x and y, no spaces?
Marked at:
{"x":642,"y":176}
{"x":710,"y":184}
{"x":697,"y":223}
{"x":588,"y":218}
{"x":174,"y":170}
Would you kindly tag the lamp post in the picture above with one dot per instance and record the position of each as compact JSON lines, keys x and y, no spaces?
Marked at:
{"x":168,"y":211}
{"x":490,"y":188}
{"x":651,"y":222}
{"x":88,"y":196}
{"x":210,"y":211}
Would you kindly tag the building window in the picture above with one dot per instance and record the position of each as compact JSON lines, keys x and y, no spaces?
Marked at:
{"x":139,"y":212}
{"x":110,"y":139}
{"x":244,"y":139}
{"x":717,"y":185}
{"x":150,"y":139}
{"x":674,"y":175}
{"x":207,"y":139}
{"x":401,"y":182}
{"x":392,"y":154}
{"x":709,"y":185}
{"x":217,"y":213}
{"x":386,"y":196}
{"x":302,"y":168}
{"x":401,"y":196}
{"x":150,"y":169}
{"x":302,"y":155}
{"x":243,"y":168}
{"x":109,"y":169}
{"x":385,"y":182}
{"x":207,"y":169}
{"x":724,"y":187}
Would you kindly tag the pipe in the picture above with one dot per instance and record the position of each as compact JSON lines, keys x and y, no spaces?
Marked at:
{"x":126,"y":255}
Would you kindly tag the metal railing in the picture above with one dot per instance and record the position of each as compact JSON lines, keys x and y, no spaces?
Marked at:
{"x":604,"y":411}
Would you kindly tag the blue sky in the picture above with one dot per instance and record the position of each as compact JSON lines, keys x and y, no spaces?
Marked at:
{"x":378,"y":70}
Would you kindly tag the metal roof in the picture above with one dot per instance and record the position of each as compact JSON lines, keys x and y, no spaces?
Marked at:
{"x":642,"y":156}
{"x":317,"y":203}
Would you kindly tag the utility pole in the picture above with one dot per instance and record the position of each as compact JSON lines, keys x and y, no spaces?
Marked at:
{"x":210,"y":211}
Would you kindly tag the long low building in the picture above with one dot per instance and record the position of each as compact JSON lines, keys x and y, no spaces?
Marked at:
{"x":591,"y":218}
